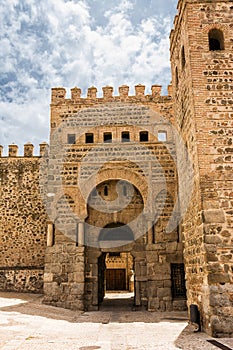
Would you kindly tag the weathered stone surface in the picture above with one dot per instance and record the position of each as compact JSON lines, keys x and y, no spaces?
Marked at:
{"x":219,"y":300}
{"x":202,"y":92}
{"x":221,"y":326}
{"x":214,"y":216}
{"x":213,"y":239}
{"x":218,"y":278}
{"x":22,"y":224}
{"x":164,"y":292}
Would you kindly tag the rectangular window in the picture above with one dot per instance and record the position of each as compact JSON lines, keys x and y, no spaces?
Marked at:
{"x":105,"y":190}
{"x":108,"y":137}
{"x":143,"y":136}
{"x":71,"y":139}
{"x":162,"y":136}
{"x":89,"y":138}
{"x":125,"y":136}
{"x":178,"y":281}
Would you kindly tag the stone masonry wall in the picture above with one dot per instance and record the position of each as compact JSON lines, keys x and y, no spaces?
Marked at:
{"x":150,"y":166}
{"x":22,"y":223}
{"x":192,"y":231}
{"x":207,"y":78}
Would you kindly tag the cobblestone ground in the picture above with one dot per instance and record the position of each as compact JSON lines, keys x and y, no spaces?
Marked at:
{"x":26,"y":324}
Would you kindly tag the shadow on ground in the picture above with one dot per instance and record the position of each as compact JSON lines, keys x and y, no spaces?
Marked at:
{"x":113,"y":309}
{"x":117,"y":319}
{"x":188,"y":339}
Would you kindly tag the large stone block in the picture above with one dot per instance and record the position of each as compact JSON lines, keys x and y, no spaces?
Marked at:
{"x":157,"y":246}
{"x":70,"y":248}
{"x":167,"y":283}
{"x":218,"y":278}
{"x":214,"y":267}
{"x":55,"y":268}
{"x":214,"y":216}
{"x":221,"y":326}
{"x":60,"y":278}
{"x":56,"y":249}
{"x":160,"y":277}
{"x":213,"y":239}
{"x":78,"y":277}
{"x":153,"y":304}
{"x":77,"y":289}
{"x":171,"y":247}
{"x":48,"y":277}
{"x":152,"y":289}
{"x":78,"y":267}
{"x":175,"y":258}
{"x":152,"y":257}
{"x":164,"y":292}
{"x":51,"y":289}
{"x":211,"y":257}
{"x":76,"y":305}
{"x":219,"y":300}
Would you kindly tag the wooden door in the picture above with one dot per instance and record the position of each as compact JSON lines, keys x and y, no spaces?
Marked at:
{"x":115,"y":279}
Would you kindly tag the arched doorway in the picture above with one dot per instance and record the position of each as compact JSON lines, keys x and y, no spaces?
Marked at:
{"x":112,"y":206}
{"x":115,"y":267}
{"x":116,"y":281}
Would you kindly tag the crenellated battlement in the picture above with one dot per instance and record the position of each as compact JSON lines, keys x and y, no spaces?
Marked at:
{"x":59,"y":94}
{"x":28,"y":150}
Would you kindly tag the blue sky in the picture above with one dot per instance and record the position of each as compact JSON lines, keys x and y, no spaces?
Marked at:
{"x":71,"y":43}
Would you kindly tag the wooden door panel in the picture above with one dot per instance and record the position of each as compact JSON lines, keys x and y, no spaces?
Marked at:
{"x":115,"y":279}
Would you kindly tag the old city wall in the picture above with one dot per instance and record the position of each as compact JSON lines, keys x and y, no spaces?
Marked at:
{"x":22,"y":222}
{"x":202,"y":77}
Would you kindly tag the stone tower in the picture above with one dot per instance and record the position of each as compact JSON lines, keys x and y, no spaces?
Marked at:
{"x":202,"y":62}
{"x":112,"y":187}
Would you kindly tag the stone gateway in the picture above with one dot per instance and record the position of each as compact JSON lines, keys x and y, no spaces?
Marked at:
{"x":134,"y":192}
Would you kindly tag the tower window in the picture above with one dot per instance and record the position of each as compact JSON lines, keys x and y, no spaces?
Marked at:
{"x":125,"y":136}
{"x":183,"y":61}
{"x":89,"y":138}
{"x":178,"y":281}
{"x":177,"y":77}
{"x":71,"y":139}
{"x":162,"y":136}
{"x":106,"y":190}
{"x":216,"y":40}
{"x":143,"y":135}
{"x":108,"y":137}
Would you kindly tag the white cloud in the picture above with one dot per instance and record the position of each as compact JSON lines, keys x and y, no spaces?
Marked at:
{"x":54,"y":43}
